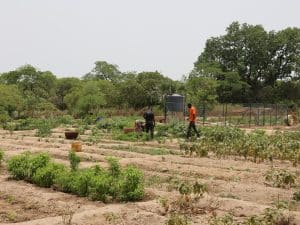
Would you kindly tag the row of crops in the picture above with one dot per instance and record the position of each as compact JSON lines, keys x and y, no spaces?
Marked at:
{"x":256,"y":145}
{"x":111,"y":184}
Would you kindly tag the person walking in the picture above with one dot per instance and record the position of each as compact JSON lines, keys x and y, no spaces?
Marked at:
{"x":149,"y":121}
{"x":192,"y":120}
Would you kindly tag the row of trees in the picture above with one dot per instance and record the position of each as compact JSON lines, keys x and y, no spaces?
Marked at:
{"x":27,"y":91}
{"x":253,"y":65}
{"x":247,"y":64}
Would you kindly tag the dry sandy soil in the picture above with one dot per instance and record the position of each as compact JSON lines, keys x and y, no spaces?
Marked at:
{"x":235,"y":185}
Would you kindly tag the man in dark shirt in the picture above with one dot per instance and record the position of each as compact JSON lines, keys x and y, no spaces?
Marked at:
{"x":149,"y":121}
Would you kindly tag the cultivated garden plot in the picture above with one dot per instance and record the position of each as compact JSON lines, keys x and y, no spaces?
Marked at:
{"x":205,"y":182}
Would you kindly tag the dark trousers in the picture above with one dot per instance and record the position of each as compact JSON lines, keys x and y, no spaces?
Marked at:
{"x":150,"y":127}
{"x":192,"y":125}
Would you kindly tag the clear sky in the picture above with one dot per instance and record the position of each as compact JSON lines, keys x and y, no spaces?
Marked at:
{"x":68,"y":36}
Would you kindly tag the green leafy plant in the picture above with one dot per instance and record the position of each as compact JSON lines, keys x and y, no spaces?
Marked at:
{"x":132,"y":184}
{"x":63,"y":181}
{"x":296,"y":195}
{"x":114,"y":166}
{"x":177,"y":219}
{"x":1,"y":156}
{"x":81,"y":182}
{"x":43,"y":129}
{"x":280,"y":178}
{"x":227,"y":219}
{"x":74,"y":160}
{"x":45,"y":176}
{"x":115,"y":183}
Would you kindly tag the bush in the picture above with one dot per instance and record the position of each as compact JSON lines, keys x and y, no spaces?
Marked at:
{"x":100,"y":188}
{"x":63,"y":181}
{"x":177,"y":219}
{"x":81,"y":182}
{"x":280,"y":178}
{"x":36,"y":162}
{"x":1,"y":156}
{"x":114,"y":166}
{"x":18,"y":166}
{"x":227,"y":219}
{"x":43,"y":129}
{"x":74,"y":160}
{"x":296,"y":196}
{"x":24,"y":166}
{"x":45,"y":176}
{"x":132,"y":187}
{"x":95,"y":182}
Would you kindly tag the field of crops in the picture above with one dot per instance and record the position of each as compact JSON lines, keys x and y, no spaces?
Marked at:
{"x":226,"y":177}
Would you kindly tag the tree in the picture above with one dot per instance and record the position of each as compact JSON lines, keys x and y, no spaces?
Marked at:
{"x":63,"y":87}
{"x":104,"y":71}
{"x":10,"y":99}
{"x":259,"y":57}
{"x":85,"y":100}
{"x":202,"y":91}
{"x":29,"y":79}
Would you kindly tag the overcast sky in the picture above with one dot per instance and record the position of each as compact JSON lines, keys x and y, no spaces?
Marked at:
{"x":68,"y":36}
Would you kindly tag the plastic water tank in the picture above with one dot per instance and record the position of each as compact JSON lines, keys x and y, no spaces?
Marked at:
{"x":175,"y":103}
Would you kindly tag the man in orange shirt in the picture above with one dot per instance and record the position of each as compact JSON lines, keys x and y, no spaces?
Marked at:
{"x":192,"y":119}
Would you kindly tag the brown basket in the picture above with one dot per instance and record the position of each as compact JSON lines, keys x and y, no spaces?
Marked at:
{"x":72,"y":135}
{"x":76,"y":146}
{"x":127,"y":130}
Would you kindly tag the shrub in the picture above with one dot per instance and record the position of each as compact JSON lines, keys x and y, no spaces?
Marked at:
{"x":100,"y":188}
{"x":36,"y":162}
{"x":43,"y":129}
{"x":63,"y":181}
{"x":95,"y":182}
{"x":227,"y":219}
{"x":45,"y":176}
{"x":18,"y":166}
{"x":74,"y":160}
{"x":114,"y":166}
{"x":132,"y":185}
{"x":25,"y":165}
{"x":1,"y":156}
{"x":296,"y":196}
{"x":177,"y":219}
{"x":81,"y":183}
{"x":280,"y":178}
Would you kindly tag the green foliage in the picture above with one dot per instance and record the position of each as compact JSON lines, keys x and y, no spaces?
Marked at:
{"x":100,"y":188}
{"x":270,"y":216}
{"x":63,"y":181}
{"x":202,"y":90}
{"x":25,"y":165}
{"x":43,"y":129}
{"x":36,"y":162}
{"x":45,"y":176}
{"x":280,"y":178}
{"x":1,"y":156}
{"x":132,"y":184}
{"x":85,"y":100}
{"x":81,"y":182}
{"x":296,"y":195}
{"x":246,"y":50}
{"x":18,"y":166}
{"x":256,"y":145}
{"x":10,"y":100}
{"x":114,"y":183}
{"x":74,"y":160}
{"x":114,"y":167}
{"x":177,"y":219}
{"x":227,"y":219}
